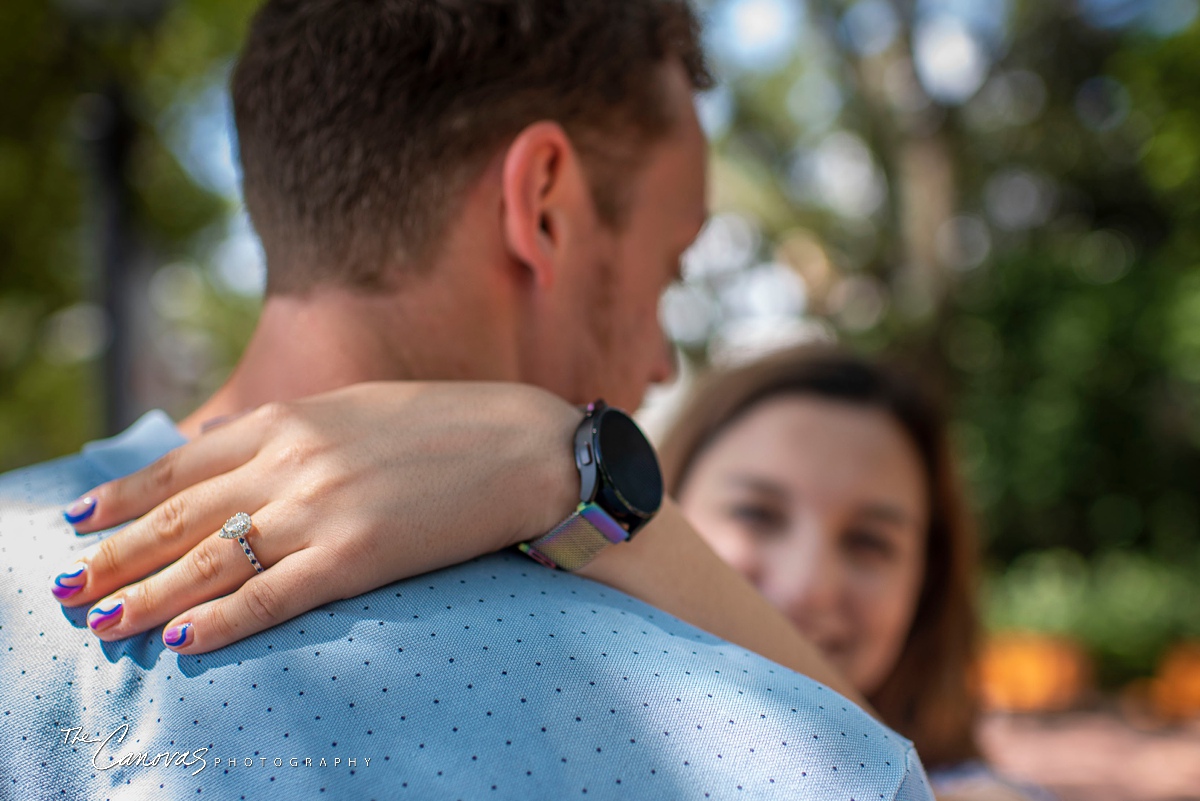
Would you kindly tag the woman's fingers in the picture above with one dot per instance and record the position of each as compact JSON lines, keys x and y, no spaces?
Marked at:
{"x":220,"y":450}
{"x":168,"y":532}
{"x":215,"y":567}
{"x":285,"y":590}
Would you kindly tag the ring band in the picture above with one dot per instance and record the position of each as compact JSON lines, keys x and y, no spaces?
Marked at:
{"x":237,"y":527}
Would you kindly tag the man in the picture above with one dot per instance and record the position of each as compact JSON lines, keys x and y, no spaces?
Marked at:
{"x":497,"y":190}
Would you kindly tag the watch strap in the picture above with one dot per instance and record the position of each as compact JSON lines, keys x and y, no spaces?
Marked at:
{"x":574,"y":542}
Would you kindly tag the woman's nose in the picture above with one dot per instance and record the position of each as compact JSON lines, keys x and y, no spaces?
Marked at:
{"x":806,"y":582}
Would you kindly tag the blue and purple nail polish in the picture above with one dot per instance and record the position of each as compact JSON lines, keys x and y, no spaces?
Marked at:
{"x":69,"y":581}
{"x":178,"y":636}
{"x":80,"y":510}
{"x":105,"y":614}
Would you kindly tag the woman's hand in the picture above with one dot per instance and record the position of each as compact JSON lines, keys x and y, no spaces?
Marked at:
{"x":347,"y":491}
{"x":355,"y":489}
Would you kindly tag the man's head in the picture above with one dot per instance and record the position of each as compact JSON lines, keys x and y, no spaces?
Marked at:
{"x":366,"y":126}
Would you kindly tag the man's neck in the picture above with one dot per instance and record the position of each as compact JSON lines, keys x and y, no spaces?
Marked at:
{"x":333,"y":338}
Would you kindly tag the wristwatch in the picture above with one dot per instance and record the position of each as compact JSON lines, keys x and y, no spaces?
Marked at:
{"x":620,"y":489}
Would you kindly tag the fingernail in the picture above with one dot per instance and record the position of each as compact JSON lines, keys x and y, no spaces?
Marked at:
{"x":105,"y":614}
{"x":215,"y":422}
{"x":80,"y":510}
{"x":70,"y":581}
{"x":178,"y":636}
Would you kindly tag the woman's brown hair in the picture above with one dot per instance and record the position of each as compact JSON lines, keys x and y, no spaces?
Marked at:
{"x":927,"y":697}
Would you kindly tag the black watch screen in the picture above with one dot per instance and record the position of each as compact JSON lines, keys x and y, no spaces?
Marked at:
{"x":631,"y":485}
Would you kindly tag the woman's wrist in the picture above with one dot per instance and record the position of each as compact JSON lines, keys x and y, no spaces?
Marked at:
{"x":551,"y":492}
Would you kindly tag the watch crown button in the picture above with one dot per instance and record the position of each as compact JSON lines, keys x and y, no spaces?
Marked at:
{"x":585,"y":454}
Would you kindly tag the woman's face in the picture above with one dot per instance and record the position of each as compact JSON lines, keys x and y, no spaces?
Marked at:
{"x":823,"y":505}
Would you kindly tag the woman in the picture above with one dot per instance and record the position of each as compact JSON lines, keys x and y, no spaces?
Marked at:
{"x":829,"y":482}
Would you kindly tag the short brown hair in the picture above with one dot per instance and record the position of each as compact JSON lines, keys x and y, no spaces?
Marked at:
{"x":928,"y":696}
{"x":360,"y":122}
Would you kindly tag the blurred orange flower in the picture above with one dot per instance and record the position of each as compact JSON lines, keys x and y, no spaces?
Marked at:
{"x":1026,"y":672}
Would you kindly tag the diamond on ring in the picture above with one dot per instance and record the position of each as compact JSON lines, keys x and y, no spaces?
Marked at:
{"x":236,"y":526}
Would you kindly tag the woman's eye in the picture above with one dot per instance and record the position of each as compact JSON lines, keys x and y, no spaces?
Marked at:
{"x":760,"y":519}
{"x":870,"y":543}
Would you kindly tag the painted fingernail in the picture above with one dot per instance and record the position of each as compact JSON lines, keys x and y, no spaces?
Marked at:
{"x":178,"y":636}
{"x":215,"y":422}
{"x":70,"y":581}
{"x":105,"y":614}
{"x":80,"y":510}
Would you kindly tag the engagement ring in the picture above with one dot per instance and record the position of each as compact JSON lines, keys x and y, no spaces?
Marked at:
{"x":237,"y":527}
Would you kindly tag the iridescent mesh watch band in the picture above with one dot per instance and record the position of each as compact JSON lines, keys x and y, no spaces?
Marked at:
{"x":575,"y":541}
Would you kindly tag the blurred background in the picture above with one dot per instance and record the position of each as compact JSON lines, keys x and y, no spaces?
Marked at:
{"x":1004,"y":192}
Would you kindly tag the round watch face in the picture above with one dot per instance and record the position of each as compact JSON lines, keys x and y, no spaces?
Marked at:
{"x":629,"y":462}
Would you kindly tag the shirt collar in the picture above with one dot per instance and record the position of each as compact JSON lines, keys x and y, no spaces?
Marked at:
{"x":153,"y":435}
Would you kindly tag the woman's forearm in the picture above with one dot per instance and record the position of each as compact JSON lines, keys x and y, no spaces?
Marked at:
{"x":667,"y":565}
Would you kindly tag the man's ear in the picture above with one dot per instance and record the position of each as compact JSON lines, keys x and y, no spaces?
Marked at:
{"x":545,"y":193}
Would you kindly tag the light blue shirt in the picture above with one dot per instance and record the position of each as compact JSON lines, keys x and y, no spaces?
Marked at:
{"x":495,"y":679}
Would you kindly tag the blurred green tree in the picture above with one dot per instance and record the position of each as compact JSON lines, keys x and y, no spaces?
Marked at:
{"x":1003,"y":194}
{"x":56,"y":60}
